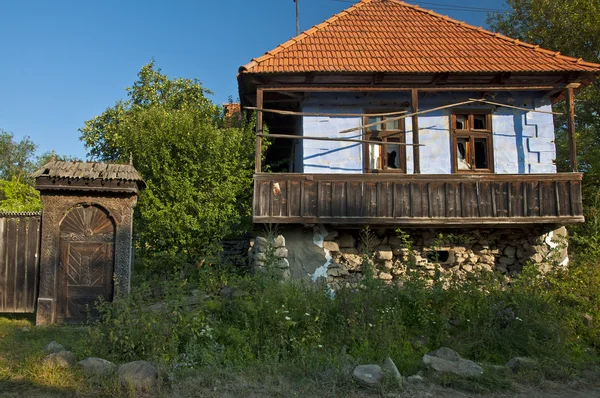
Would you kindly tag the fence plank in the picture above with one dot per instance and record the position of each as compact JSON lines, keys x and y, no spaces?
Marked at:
{"x":20,"y":265}
{"x":3,"y":264}
{"x":33,"y":247}
{"x":19,"y":262}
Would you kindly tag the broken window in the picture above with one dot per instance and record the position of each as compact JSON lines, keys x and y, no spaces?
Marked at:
{"x":391,"y":154}
{"x":472,"y":137}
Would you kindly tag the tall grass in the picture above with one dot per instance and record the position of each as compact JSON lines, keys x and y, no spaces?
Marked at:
{"x":270,"y":322}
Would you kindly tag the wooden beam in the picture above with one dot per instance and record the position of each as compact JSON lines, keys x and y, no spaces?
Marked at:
{"x":415,"y":130}
{"x":304,"y":137}
{"x":259,"y":124}
{"x":359,"y":88}
{"x":294,"y":113}
{"x":416,"y":222}
{"x":571,"y":128}
{"x":467,"y":178}
{"x":501,"y":78}
{"x":440,"y":78}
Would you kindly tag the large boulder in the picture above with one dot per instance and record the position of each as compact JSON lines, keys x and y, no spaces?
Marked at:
{"x":53,"y":347}
{"x":139,"y":375}
{"x":368,"y":375}
{"x":63,"y":359}
{"x":446,"y":360}
{"x":389,"y":367}
{"x":304,"y":256}
{"x":97,"y":366}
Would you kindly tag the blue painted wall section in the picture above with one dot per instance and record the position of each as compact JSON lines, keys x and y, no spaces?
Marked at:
{"x":523,"y":141}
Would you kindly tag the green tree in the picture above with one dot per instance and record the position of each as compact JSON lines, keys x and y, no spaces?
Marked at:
{"x":198,"y":171}
{"x":16,"y":196}
{"x":573,"y":28}
{"x":15,"y":157}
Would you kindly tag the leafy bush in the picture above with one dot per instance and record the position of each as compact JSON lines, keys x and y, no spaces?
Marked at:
{"x":17,"y":196}
{"x":262,"y":321}
{"x":197,"y":166}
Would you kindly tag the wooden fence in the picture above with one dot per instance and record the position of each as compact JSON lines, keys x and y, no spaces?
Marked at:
{"x":418,"y":200}
{"x":19,"y":261}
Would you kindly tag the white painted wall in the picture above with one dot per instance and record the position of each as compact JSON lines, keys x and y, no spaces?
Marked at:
{"x":523,"y":141}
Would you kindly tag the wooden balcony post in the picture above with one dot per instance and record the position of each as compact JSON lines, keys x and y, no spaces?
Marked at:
{"x":571,"y":128}
{"x":415,"y":129}
{"x":259,"y":124}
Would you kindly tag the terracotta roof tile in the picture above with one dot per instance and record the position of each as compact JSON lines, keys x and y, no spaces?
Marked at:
{"x":393,"y":36}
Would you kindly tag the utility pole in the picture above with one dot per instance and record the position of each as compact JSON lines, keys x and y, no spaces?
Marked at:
{"x":297,"y":17}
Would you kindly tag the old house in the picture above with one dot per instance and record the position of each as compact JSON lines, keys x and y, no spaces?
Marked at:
{"x":391,"y":116}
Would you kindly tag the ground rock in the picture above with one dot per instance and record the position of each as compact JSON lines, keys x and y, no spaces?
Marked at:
{"x":390,"y":368}
{"x":349,"y":250}
{"x":447,"y":360}
{"x":261,"y":243}
{"x":385,"y":276}
{"x":63,"y":359}
{"x":415,"y":379}
{"x":140,"y":375}
{"x":510,"y":251}
{"x":281,"y":252}
{"x":353,"y":260}
{"x":394,"y":241}
{"x":518,"y":364}
{"x":368,"y":375}
{"x":260,"y":257}
{"x":384,"y":253}
{"x":331,"y":235}
{"x":279,"y":241}
{"x":331,"y":246}
{"x":53,"y":347}
{"x":346,"y":241}
{"x":97,"y":366}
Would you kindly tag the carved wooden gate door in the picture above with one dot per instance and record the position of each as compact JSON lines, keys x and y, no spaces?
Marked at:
{"x":87,"y":236}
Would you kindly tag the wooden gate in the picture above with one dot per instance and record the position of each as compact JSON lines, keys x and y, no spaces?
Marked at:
{"x":19,"y":261}
{"x":87,"y":241}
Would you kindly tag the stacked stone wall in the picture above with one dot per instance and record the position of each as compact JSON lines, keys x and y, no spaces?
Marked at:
{"x":344,"y":252}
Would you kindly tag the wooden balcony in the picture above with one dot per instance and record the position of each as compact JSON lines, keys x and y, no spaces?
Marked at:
{"x":418,"y":200}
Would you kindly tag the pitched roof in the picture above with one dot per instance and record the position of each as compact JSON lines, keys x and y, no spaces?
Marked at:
{"x":89,"y":171}
{"x":393,"y":36}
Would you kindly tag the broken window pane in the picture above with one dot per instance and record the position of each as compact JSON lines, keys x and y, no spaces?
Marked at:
{"x":393,"y":156}
{"x":480,"y":122}
{"x":461,"y":122}
{"x":372,"y":120}
{"x":462,"y":154}
{"x":481,"y":161}
{"x":392,"y":125}
{"x":374,"y":156}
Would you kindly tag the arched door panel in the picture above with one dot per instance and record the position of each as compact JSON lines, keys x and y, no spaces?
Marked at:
{"x":86,"y":266}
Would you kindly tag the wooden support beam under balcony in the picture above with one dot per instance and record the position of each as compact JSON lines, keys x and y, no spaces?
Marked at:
{"x":418,"y":200}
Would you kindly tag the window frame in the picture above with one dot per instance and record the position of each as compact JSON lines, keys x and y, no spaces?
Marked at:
{"x":383,"y":135}
{"x":472,"y":134}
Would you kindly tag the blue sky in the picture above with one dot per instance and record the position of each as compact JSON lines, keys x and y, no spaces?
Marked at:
{"x":64,"y":62}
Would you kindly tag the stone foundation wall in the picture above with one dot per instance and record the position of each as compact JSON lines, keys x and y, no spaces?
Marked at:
{"x":340,"y":254}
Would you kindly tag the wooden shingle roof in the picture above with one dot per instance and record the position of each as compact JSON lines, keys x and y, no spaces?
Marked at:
{"x":396,"y":37}
{"x":88,"y":170}
{"x":58,"y":174}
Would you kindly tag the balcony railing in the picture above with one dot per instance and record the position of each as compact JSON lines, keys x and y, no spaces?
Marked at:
{"x":418,"y":200}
